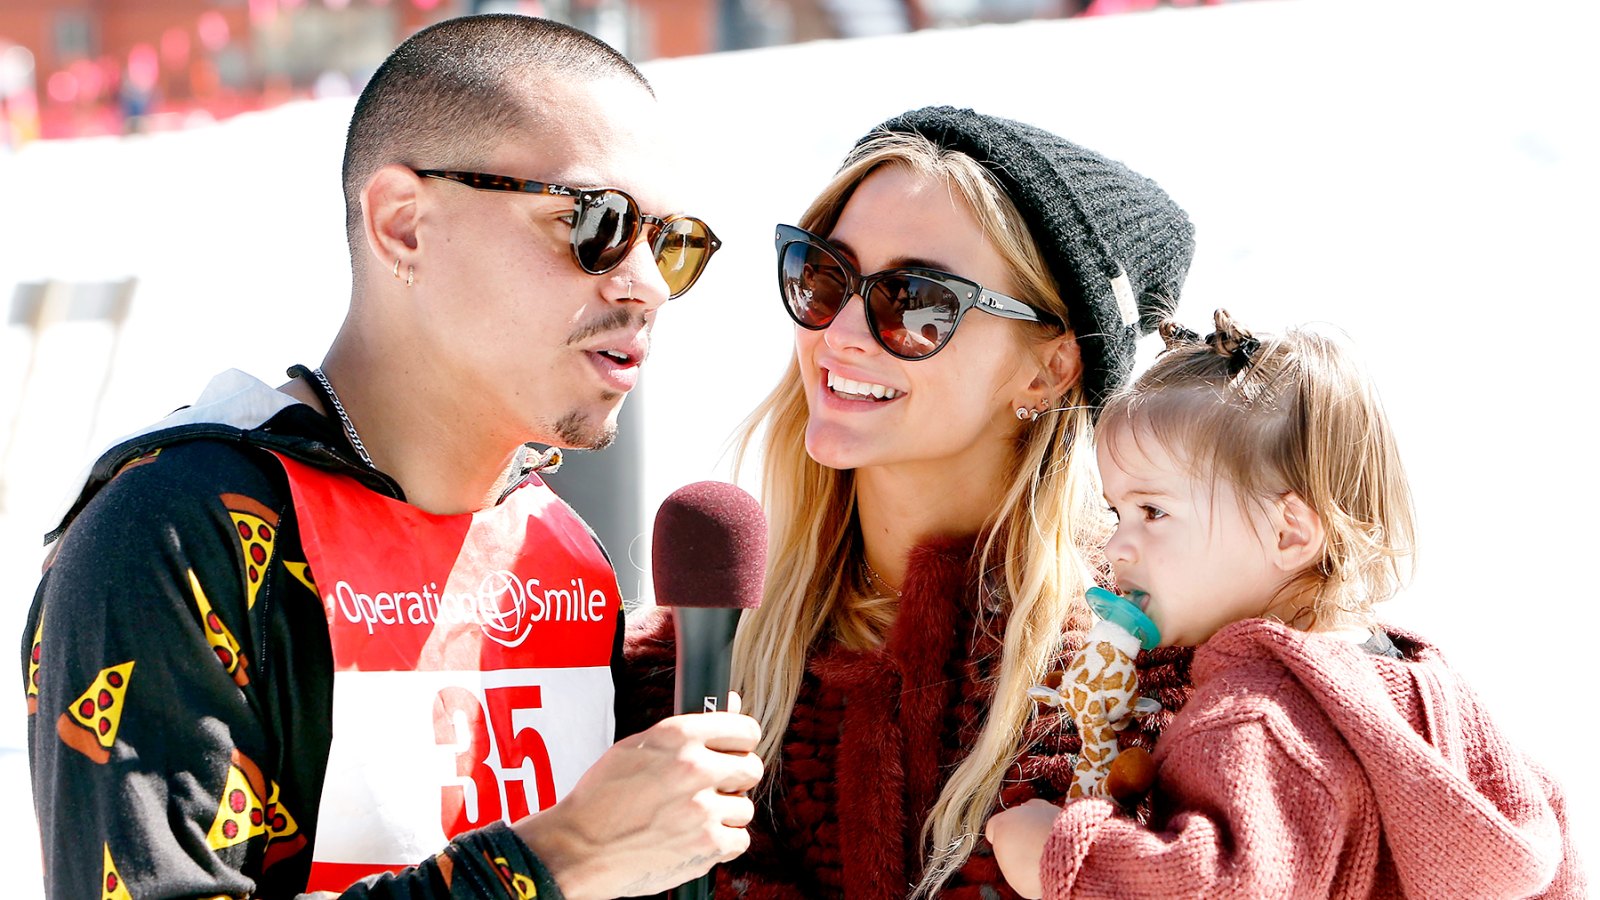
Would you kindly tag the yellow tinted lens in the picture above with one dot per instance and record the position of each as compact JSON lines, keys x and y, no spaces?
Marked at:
{"x":682,"y":249}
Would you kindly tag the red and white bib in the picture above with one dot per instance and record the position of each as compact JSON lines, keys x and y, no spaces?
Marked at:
{"x":471,"y":655}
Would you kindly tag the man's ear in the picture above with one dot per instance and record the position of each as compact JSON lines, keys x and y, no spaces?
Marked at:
{"x":1060,"y":367}
{"x":1298,"y":531}
{"x":389,"y":214}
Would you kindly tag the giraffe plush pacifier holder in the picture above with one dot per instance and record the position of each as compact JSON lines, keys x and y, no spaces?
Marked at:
{"x":1100,"y":688}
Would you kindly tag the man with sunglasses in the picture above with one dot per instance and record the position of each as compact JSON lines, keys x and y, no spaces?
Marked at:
{"x":338,"y":635}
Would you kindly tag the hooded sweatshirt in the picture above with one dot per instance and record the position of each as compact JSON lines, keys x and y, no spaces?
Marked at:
{"x":211,"y":699}
{"x":1304,"y":766}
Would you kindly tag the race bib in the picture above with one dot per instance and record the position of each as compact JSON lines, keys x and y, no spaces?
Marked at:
{"x":472,"y":653}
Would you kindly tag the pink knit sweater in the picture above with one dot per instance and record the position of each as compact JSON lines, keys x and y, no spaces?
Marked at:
{"x":1304,"y":766}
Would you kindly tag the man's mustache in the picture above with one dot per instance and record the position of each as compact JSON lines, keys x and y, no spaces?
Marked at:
{"x":617,"y":320}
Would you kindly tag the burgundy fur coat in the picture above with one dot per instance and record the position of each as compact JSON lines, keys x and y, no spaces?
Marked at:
{"x":874,"y":735}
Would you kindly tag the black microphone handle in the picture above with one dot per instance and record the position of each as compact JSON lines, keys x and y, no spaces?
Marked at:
{"x":705,"y":656}
{"x":699,"y":889}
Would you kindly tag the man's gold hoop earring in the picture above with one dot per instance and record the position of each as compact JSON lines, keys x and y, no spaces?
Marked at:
{"x":397,"y":267}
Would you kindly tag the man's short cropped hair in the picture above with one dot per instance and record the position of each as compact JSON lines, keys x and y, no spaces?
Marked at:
{"x":447,"y":94}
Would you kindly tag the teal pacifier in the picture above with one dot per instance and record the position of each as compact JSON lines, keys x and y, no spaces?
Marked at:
{"x":1124,"y":612}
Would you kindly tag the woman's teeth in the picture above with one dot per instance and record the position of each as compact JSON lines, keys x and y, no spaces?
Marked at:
{"x":865,"y":390}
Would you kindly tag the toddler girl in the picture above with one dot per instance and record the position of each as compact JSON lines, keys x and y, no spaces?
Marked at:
{"x":1262,"y":512}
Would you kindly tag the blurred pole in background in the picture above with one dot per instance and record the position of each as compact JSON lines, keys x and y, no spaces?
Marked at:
{"x":737,"y":27}
{"x":606,"y":488}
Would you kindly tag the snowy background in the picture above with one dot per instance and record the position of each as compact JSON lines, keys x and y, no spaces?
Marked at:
{"x":1420,"y":174}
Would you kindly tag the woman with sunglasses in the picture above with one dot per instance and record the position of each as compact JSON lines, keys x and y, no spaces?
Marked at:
{"x":966,"y":291}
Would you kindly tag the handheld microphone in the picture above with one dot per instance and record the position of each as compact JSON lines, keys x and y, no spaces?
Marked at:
{"x":709,"y":559}
{"x":708,"y":563}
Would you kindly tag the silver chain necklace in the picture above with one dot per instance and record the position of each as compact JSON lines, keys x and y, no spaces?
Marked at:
{"x":344,"y":419}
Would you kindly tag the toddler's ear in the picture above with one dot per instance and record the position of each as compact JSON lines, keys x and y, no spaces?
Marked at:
{"x":1299,"y":532}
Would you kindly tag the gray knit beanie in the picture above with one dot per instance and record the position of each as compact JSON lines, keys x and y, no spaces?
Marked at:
{"x":1116,"y":244}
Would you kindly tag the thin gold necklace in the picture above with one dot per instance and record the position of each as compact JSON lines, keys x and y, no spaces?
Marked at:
{"x":872,"y":575}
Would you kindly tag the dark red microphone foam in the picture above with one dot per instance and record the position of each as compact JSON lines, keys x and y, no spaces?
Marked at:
{"x":709,"y":548}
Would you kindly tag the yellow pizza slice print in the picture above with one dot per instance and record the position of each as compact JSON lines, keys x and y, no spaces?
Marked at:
{"x":111,"y":886}
{"x":34,"y":655}
{"x":138,"y":461}
{"x":518,"y":885}
{"x":90,"y":724}
{"x":222,"y":641}
{"x":240,"y":815}
{"x":302,"y":573}
{"x":283,"y":832}
{"x":257,"y":527}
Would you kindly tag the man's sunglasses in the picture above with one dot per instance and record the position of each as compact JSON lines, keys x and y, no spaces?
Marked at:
{"x":606,"y":222}
{"x":911,"y":312}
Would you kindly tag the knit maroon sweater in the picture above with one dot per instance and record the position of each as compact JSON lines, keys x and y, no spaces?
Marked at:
{"x":875,"y":733}
{"x":1303,"y":766}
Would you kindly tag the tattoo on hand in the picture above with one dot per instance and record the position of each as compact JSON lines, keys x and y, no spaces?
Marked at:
{"x":643,"y":883}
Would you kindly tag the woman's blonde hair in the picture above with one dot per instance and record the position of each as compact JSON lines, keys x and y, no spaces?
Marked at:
{"x":1035,"y":551}
{"x":1293,"y":412}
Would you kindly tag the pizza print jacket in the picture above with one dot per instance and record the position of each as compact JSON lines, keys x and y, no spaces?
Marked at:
{"x":179,"y":684}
